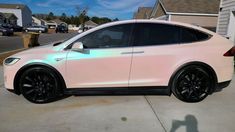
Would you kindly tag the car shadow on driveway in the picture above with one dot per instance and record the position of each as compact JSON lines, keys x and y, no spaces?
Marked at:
{"x":190,"y":122}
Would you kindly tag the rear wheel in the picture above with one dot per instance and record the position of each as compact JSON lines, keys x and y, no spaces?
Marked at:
{"x":39,"y":85}
{"x":192,"y":84}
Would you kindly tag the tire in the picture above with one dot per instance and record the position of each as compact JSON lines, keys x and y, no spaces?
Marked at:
{"x":192,"y":84}
{"x":40,"y":85}
{"x":40,"y":31}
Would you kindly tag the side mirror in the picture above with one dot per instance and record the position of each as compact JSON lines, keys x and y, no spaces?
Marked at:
{"x":78,"y":46}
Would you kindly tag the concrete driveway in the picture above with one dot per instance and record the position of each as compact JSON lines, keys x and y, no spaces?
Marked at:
{"x":118,"y":113}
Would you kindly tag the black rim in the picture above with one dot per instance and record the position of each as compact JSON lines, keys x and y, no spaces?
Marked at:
{"x":38,"y":85}
{"x":193,"y":85}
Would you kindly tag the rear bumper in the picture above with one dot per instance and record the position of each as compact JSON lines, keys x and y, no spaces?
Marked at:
{"x":222,"y":85}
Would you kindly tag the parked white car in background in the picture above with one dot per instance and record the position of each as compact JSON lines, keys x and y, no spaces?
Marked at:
{"x":36,"y":28}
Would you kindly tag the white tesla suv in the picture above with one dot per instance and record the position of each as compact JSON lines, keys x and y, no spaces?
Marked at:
{"x":125,"y":57}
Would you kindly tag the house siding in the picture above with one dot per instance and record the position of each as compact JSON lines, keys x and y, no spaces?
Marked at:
{"x":203,"y":21}
{"x":159,"y":12}
{"x":224,"y":16}
{"x":36,"y":21}
{"x":26,"y":17}
{"x":16,"y":12}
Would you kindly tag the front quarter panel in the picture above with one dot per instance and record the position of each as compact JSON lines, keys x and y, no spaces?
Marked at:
{"x":56,"y":60}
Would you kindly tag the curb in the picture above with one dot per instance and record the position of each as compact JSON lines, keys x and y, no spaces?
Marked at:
{"x":9,"y":53}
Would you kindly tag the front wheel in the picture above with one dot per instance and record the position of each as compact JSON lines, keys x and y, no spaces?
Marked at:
{"x":39,"y":85}
{"x":192,"y":84}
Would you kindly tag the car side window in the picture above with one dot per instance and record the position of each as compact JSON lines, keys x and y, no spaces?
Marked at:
{"x":190,"y":35}
{"x":110,"y":37}
{"x":155,"y":34}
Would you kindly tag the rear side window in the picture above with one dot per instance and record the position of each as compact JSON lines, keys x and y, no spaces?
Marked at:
{"x":190,"y":35}
{"x":155,"y":34}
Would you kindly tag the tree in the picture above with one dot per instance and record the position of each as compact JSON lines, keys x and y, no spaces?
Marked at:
{"x":63,"y":17}
{"x":95,"y":19}
{"x":100,"y":20}
{"x":104,"y":20}
{"x":116,"y":19}
{"x":82,"y":14}
{"x":50,"y":16}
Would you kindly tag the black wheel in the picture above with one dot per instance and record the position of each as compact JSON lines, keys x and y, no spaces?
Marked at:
{"x":192,"y":84}
{"x":39,"y":85}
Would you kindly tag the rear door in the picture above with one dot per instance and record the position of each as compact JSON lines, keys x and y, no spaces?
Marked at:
{"x":153,"y":53}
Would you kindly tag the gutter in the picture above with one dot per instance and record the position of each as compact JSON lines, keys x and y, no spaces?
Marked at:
{"x":192,"y":14}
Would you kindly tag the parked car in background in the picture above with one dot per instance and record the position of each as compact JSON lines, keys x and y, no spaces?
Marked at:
{"x":139,"y":56}
{"x":15,"y":28}
{"x":80,"y":30}
{"x":61,"y":29}
{"x":6,"y":31}
{"x":36,"y":28}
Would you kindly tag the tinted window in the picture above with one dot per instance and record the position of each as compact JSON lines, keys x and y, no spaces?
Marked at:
{"x":115,"y":36}
{"x":155,"y":34}
{"x":191,"y":35}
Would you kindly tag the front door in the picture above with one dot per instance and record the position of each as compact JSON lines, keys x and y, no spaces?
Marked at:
{"x":106,"y":59}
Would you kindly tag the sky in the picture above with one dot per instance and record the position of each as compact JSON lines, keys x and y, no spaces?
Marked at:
{"x":121,"y":9}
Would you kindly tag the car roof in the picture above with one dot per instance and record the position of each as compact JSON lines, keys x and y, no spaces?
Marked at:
{"x":161,"y":22}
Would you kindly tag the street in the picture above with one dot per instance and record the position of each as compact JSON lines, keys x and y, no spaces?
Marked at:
{"x":16,"y":42}
{"x":118,"y":113}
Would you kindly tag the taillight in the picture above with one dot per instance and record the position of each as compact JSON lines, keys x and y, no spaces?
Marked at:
{"x":231,"y":52}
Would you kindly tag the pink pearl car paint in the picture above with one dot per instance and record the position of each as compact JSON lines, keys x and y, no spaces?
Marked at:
{"x":127,"y":57}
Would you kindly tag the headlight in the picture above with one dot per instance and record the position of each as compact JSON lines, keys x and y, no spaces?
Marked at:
{"x":11,"y":61}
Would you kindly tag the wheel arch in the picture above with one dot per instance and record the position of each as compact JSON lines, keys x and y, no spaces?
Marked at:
{"x":27,"y":66}
{"x":207,"y":67}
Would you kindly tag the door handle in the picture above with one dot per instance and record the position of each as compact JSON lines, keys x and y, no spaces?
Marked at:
{"x":136,"y":52}
{"x":124,"y":53}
